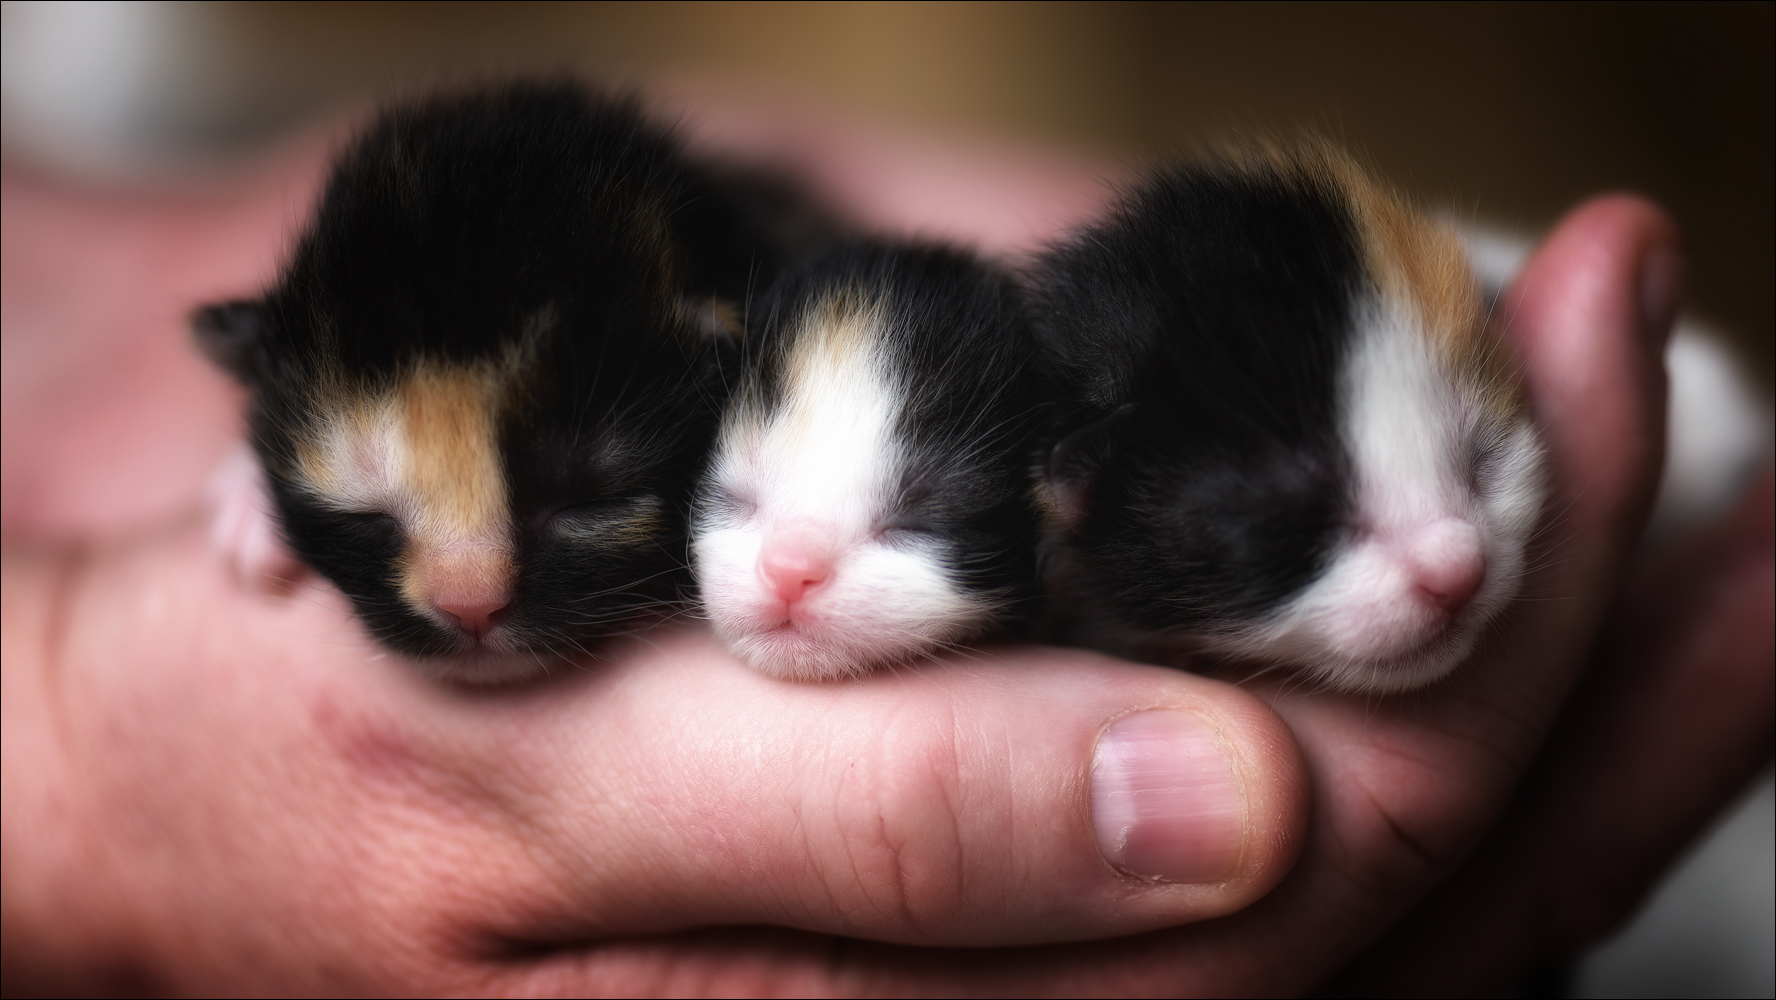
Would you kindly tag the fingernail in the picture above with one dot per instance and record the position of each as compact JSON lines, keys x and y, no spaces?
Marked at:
{"x":1165,"y":800}
{"x":1661,"y":291}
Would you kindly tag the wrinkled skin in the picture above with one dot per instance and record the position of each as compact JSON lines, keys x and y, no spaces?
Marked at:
{"x":214,"y":790}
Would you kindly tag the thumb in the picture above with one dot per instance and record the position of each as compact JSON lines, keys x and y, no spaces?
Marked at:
{"x":1025,"y":795}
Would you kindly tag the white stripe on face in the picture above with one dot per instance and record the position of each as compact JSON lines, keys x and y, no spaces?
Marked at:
{"x":1436,"y":544}
{"x":811,"y":484}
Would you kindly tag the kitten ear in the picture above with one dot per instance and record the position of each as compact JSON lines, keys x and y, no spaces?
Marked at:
{"x":228,"y":333}
{"x":1075,"y":460}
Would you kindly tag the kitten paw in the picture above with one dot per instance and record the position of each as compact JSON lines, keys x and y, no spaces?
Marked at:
{"x":243,"y":529}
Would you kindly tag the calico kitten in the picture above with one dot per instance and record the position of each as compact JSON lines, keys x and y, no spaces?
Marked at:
{"x":872,"y":496}
{"x":1292,"y":436}
{"x":485,"y":382}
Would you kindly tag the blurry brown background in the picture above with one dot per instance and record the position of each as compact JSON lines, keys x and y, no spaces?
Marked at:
{"x":1505,"y":112}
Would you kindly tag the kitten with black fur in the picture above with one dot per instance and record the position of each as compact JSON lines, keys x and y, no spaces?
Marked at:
{"x":484,"y":385}
{"x":872,"y":496}
{"x":1292,"y":436}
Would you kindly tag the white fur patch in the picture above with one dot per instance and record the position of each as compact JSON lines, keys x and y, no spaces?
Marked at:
{"x":1434,"y":472}
{"x":823,"y":467}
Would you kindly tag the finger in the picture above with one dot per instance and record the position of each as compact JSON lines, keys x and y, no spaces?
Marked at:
{"x":1674,"y":685}
{"x":1018,"y":795}
{"x":1591,"y":313}
{"x":110,"y":420}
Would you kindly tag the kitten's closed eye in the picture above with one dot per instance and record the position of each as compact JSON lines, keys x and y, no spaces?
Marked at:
{"x":603,"y":519}
{"x":375,"y":519}
{"x":903,"y":530}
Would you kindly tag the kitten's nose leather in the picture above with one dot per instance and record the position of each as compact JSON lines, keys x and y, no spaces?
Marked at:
{"x":472,"y":584}
{"x":477,"y":618}
{"x":1449,"y":563}
{"x":792,"y":565}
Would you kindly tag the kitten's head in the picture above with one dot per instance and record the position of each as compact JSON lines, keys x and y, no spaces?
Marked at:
{"x":869,"y":500}
{"x":479,"y":394}
{"x":1322,"y":456}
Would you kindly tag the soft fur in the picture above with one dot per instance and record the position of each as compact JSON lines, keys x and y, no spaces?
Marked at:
{"x":489,"y":373}
{"x":883,"y":432}
{"x":1289,"y":434}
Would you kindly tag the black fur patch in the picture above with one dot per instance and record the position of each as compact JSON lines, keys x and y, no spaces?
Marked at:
{"x":1197,"y":333}
{"x":455,"y":229}
{"x":973,"y":401}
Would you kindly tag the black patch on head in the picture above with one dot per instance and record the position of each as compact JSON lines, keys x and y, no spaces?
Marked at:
{"x":963,"y":361}
{"x":1209,"y":314}
{"x":535,"y":221}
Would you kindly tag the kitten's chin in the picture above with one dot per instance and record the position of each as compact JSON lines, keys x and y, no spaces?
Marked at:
{"x":826,"y":638}
{"x":1414,"y":666}
{"x":1382,"y":668}
{"x":793,"y":653}
{"x":801,"y":652}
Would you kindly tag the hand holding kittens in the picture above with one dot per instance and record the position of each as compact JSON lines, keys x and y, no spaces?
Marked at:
{"x":244,"y":794}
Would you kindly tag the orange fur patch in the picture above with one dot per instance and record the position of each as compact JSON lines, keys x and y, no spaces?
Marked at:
{"x":1412,"y":259}
{"x":1416,"y":260}
{"x":425,"y":452}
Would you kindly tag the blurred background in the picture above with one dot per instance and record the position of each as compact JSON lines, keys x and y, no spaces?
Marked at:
{"x":1510,"y":112}
{"x":1502,"y":112}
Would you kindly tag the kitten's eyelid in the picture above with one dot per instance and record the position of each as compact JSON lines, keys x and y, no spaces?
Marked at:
{"x":729,"y":500}
{"x":1488,"y":444}
{"x":374,"y":515}
{"x":903,"y":529}
{"x":593,"y":515}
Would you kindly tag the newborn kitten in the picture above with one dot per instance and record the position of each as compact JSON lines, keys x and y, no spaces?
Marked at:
{"x":1293,"y":437}
{"x":486,"y":380}
{"x":871,"y":498}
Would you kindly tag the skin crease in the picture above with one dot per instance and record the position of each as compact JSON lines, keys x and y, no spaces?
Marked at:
{"x":208,"y":790}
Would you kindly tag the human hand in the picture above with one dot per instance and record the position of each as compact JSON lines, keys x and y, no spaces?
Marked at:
{"x":153,"y":706}
{"x":363,"y":827}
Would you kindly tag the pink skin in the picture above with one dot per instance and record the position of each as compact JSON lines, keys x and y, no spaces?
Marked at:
{"x":475,"y":614}
{"x":1448,"y":563}
{"x":793,"y":562}
{"x":242,"y":529}
{"x":209,"y":789}
{"x":464,"y":584}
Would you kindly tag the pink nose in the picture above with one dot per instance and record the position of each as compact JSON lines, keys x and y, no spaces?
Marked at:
{"x":470,"y":583}
{"x":477,"y":617}
{"x":1449,"y":563}
{"x":793,"y":565}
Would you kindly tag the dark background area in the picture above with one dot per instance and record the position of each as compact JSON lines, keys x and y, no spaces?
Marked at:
{"x":1502,"y":112}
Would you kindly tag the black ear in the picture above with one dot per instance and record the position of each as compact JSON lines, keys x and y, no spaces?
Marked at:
{"x":228,"y":333}
{"x":1076,"y":460}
